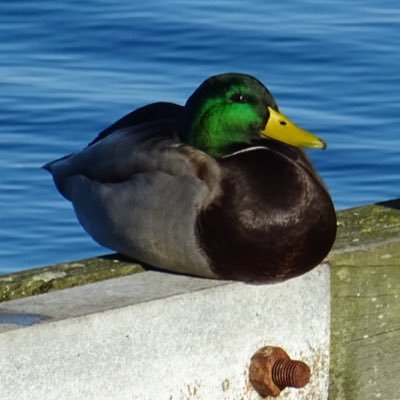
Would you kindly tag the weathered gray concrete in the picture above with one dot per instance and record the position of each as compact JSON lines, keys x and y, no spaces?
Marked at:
{"x":158,"y":336}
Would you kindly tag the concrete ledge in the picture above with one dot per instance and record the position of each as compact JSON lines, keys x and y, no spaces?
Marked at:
{"x":82,"y":338}
{"x":65,"y":275}
{"x":161,"y":336}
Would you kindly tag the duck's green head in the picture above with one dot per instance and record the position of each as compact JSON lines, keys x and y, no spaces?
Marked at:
{"x":230,"y":110}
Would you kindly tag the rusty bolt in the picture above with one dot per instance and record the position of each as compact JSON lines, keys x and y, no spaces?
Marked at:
{"x":272,"y":370}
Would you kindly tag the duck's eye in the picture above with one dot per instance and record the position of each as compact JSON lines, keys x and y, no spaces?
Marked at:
{"x":238,"y":98}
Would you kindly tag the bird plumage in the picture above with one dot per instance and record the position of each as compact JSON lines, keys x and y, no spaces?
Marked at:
{"x":260,"y":212}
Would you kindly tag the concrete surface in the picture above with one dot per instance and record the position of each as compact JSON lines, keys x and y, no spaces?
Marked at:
{"x":161,"y":336}
{"x":61,"y":276}
{"x":365,"y":317}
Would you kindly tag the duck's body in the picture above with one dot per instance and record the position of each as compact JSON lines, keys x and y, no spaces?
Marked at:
{"x":260,"y":213}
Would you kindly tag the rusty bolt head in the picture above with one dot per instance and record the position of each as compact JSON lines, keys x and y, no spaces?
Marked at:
{"x":271,"y":370}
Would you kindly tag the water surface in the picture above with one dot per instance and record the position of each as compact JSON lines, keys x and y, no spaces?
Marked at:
{"x":70,"y":68}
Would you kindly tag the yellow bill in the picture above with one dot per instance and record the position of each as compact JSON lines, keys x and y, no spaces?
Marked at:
{"x":279,"y":127}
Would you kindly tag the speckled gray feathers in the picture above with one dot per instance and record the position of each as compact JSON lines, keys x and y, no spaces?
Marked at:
{"x":138,"y":191}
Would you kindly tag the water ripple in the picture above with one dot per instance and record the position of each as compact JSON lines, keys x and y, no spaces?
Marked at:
{"x":69,"y":69}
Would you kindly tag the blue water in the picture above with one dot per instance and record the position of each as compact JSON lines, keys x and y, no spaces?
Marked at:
{"x":70,"y":68}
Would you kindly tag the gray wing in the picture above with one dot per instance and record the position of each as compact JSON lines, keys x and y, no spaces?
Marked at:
{"x":150,"y":217}
{"x":138,"y":191}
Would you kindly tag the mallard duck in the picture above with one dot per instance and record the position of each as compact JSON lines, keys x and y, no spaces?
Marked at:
{"x":218,"y":188}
